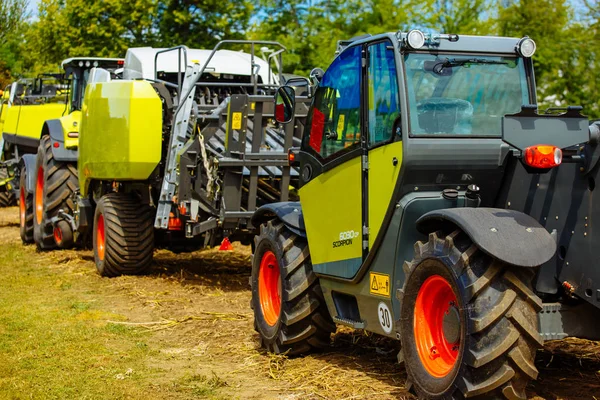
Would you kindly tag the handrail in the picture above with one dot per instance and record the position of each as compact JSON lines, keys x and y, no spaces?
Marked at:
{"x":179,"y":49}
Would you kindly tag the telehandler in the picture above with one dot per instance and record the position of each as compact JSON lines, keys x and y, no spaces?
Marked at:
{"x":24,"y":106}
{"x":177,"y":154}
{"x":47,"y":177}
{"x":433,"y":198}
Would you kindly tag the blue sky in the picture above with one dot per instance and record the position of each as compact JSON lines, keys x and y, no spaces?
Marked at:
{"x":33,"y":6}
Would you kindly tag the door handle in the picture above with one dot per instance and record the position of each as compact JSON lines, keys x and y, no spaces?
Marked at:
{"x":394,"y":161}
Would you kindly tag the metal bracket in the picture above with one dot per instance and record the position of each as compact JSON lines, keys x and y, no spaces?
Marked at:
{"x":179,"y":135}
{"x":365,"y":163}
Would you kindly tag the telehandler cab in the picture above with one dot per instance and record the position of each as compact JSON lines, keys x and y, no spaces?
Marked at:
{"x":433,"y":197}
{"x":47,"y":179}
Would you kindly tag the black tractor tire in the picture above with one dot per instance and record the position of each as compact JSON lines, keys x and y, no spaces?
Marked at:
{"x":7,"y":197}
{"x":123,"y":235}
{"x":302,"y":322}
{"x":492,"y":322}
{"x":56,"y":183}
{"x":25,"y":209}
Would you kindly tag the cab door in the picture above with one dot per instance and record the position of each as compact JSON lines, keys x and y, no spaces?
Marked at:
{"x":384,"y":135}
{"x":331,"y":167}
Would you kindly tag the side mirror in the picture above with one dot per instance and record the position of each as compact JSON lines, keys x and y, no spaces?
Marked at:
{"x":285,"y":102}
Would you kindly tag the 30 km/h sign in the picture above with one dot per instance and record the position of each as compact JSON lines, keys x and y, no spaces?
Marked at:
{"x":379,"y":284}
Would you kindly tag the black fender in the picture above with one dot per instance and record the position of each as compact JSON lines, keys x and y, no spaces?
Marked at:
{"x":54,"y":129}
{"x":27,"y":163}
{"x":511,"y":236}
{"x":289,"y":212}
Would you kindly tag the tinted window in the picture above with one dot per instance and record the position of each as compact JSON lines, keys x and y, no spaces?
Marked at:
{"x":383,"y":93}
{"x":463,"y":95}
{"x":334,"y":121}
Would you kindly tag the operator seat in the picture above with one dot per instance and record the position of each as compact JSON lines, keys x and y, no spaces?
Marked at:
{"x":445,"y":115}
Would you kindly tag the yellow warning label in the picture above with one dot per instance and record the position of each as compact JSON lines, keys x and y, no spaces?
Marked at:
{"x":236,"y":120}
{"x":380,"y":284}
{"x":252,"y":106}
{"x":340,"y":127}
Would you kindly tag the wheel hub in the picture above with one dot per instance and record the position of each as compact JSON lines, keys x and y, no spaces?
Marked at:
{"x":451,"y":324}
{"x":437,"y":326}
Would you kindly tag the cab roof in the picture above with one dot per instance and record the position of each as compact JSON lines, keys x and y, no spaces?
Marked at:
{"x":101,"y":62}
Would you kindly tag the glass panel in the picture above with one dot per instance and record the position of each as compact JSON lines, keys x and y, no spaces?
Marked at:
{"x":463,"y":95}
{"x":335,"y":118}
{"x":383,"y":93}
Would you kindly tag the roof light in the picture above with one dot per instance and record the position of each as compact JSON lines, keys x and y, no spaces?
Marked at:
{"x":81,"y":63}
{"x":121,"y":62}
{"x":542,"y":156}
{"x":415,"y":39}
{"x":95,"y":63}
{"x":87,"y":64}
{"x":526,"y":47}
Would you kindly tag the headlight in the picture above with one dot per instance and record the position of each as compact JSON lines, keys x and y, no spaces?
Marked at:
{"x":415,"y":39}
{"x":526,"y":47}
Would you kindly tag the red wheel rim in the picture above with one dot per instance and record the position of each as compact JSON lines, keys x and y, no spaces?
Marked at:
{"x":269,"y":288}
{"x":100,"y":237}
{"x":57,"y":235}
{"x":22,"y":206}
{"x":435,"y":301}
{"x":39,"y":195}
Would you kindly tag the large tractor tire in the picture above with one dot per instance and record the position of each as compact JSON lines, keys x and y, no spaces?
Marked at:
{"x":25,"y":209}
{"x":290,"y":313}
{"x":123,"y":235}
{"x":7,"y":198}
{"x":469,"y":324}
{"x":56,"y":182}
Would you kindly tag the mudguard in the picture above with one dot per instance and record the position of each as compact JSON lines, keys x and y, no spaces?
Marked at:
{"x":289,"y":212}
{"x":510,"y":236}
{"x":28,"y":161}
{"x":54,"y":128}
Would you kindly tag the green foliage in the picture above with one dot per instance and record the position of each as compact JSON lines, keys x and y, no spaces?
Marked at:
{"x":566,"y":60}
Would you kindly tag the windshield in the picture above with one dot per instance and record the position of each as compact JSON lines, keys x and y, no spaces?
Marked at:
{"x":462,"y":94}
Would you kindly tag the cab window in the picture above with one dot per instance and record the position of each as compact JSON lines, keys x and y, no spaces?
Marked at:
{"x":383,"y":93}
{"x":334,"y":122}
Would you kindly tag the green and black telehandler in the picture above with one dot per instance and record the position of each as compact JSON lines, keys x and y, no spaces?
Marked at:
{"x":438,"y":206}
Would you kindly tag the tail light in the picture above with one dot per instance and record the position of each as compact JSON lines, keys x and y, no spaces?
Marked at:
{"x":542,"y":156}
{"x":292,"y":152}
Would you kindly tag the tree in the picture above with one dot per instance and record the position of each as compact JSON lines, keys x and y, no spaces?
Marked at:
{"x":12,"y":14}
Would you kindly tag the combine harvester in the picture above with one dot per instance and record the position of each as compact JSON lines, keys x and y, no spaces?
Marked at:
{"x":178,"y":154}
{"x":434,"y":196}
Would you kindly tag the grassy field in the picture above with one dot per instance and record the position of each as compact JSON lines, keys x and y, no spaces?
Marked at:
{"x":185,"y":331}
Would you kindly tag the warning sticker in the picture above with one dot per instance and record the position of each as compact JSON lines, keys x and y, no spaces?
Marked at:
{"x":236,"y":120}
{"x":380,"y":284}
{"x":341,"y":123}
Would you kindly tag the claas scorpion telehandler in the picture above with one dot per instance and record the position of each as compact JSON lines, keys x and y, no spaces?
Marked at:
{"x":438,"y":206}
{"x":178,"y":154}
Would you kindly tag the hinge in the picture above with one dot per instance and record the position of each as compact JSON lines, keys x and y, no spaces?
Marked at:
{"x":364,"y":62}
{"x":365,"y":163}
{"x":365,"y":230}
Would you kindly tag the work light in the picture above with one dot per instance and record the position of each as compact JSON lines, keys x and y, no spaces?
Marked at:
{"x":526,"y":47}
{"x":415,"y":39}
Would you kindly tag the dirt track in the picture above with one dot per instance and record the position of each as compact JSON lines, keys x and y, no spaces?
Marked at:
{"x":193,"y":313}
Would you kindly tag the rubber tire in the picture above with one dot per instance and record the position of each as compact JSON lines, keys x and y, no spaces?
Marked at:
{"x":304,"y":323}
{"x":499,"y":326}
{"x":26,"y":201}
{"x":129,"y":235}
{"x":7,"y":198}
{"x":60,"y":183}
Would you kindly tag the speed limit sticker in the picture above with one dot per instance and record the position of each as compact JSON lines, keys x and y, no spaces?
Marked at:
{"x":385,"y":317}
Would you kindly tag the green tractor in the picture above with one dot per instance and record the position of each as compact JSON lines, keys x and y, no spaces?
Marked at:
{"x":433,"y":198}
{"x":24,"y":107}
{"x":48,"y":179}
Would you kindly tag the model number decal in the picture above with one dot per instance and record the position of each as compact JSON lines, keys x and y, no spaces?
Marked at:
{"x":346,"y":238}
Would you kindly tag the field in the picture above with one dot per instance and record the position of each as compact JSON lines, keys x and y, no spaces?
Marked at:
{"x":185,"y":331}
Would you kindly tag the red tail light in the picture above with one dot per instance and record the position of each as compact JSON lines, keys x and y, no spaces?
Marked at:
{"x":120,"y":63}
{"x":542,"y":156}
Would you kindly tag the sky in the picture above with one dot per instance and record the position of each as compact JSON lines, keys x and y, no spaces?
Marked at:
{"x":32,"y":7}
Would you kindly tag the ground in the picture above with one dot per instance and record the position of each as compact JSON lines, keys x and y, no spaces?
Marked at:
{"x":185,"y":331}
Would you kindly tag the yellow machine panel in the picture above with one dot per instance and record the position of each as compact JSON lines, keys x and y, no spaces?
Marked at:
{"x":121,"y":132}
{"x":334,"y":197}
{"x":28,"y":120}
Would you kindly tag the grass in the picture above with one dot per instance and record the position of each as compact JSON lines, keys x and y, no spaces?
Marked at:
{"x":55,"y":341}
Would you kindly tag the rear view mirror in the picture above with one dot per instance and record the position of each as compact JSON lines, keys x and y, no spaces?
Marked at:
{"x":285,"y":102}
